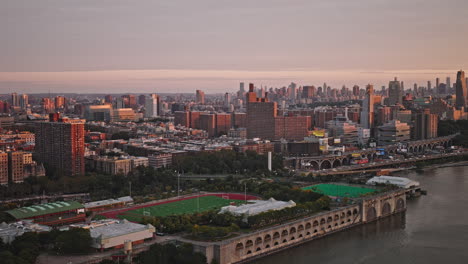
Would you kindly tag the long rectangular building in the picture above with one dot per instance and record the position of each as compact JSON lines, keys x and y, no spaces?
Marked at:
{"x":52,"y":214}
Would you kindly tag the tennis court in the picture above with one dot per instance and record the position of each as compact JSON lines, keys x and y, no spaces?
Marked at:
{"x":187,"y":206}
{"x":338,"y":190}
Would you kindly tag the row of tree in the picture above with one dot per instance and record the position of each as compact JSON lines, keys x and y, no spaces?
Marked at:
{"x":26,"y":248}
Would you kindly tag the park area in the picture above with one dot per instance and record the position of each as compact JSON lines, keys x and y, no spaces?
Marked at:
{"x":338,"y":190}
{"x":186,"y":205}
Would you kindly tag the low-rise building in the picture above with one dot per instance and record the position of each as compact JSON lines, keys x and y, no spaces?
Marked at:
{"x":112,"y":233}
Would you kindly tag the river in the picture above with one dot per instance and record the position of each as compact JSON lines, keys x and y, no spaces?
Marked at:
{"x":434,"y":229}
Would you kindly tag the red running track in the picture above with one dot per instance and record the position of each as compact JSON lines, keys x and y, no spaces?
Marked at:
{"x":232,"y":196}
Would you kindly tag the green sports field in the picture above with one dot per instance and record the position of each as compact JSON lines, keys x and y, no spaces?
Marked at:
{"x":189,"y":206}
{"x":339,"y":190}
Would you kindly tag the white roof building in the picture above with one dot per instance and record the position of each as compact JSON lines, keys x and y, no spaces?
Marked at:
{"x":111,"y":233}
{"x":398,"y":181}
{"x":255,"y":207}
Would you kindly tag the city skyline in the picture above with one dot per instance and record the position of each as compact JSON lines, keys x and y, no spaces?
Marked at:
{"x":213,"y":45}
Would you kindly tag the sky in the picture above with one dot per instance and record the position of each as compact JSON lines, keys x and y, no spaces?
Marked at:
{"x":104,"y":46}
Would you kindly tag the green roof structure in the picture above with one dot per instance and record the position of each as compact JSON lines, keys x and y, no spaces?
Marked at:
{"x":338,"y":190}
{"x":44,"y":209}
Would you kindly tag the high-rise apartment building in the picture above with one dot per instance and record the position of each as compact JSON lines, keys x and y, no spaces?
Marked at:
{"x":60,"y":145}
{"x":395,"y":92}
{"x":261,"y":115}
{"x":200,"y":96}
{"x":15,"y":166}
{"x":3,"y":168}
{"x":425,"y":125}
{"x":59,"y":102}
{"x":460,"y":89}
{"x":227,"y":99}
{"x":367,"y":114}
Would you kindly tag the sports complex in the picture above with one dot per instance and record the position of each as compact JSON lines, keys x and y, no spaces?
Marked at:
{"x":338,"y":190}
{"x":178,"y":206}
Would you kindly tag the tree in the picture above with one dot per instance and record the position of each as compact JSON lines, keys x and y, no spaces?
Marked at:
{"x":73,"y":241}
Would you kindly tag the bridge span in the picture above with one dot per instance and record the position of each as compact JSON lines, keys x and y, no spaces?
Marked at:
{"x":333,"y":161}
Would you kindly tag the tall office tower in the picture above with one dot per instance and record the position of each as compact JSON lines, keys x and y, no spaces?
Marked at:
{"x":356,"y":90}
{"x":14,"y":99}
{"x":24,"y":101}
{"x":461,"y":91}
{"x":395,"y":92}
{"x":448,"y":85}
{"x":227,"y":99}
{"x":367,"y":114}
{"x":59,"y":102}
{"x":200,"y":97}
{"x":260,"y":116}
{"x":241,"y":87}
{"x":436,"y":88}
{"x":415,"y":88}
{"x":3,"y":168}
{"x":429,"y":86}
{"x":60,"y":144}
{"x":308,"y":91}
{"x":426,"y":125}
{"x":152,"y":106}
{"x":108,"y":99}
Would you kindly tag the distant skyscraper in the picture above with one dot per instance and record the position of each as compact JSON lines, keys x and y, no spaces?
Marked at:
{"x":14,"y":99}
{"x":436,"y":88}
{"x":429,"y":86}
{"x":367,"y":114}
{"x":227,"y":99}
{"x":461,"y":91}
{"x":200,"y":95}
{"x":60,"y":145}
{"x":241,"y":87}
{"x":356,"y":90}
{"x":23,"y":101}
{"x":152,"y":106}
{"x":308,"y":91}
{"x":425,"y":125}
{"x":448,"y":85}
{"x":108,"y":99}
{"x":395,"y":92}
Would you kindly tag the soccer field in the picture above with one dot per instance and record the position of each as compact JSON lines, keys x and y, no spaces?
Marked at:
{"x":189,"y":206}
{"x":338,"y":190}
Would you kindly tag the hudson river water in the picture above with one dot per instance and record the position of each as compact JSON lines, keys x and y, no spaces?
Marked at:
{"x":434,"y":229}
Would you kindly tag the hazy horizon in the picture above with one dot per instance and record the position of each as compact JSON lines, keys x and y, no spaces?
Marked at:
{"x":180,"y":46}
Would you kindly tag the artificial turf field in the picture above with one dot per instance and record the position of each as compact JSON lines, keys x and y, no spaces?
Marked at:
{"x":337,"y":190}
{"x":188,"y":206}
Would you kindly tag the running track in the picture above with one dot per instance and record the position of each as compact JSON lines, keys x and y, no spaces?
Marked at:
{"x":232,"y":196}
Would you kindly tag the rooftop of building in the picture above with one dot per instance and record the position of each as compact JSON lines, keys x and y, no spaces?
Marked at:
{"x":125,"y":199}
{"x":44,"y":209}
{"x":108,"y":228}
